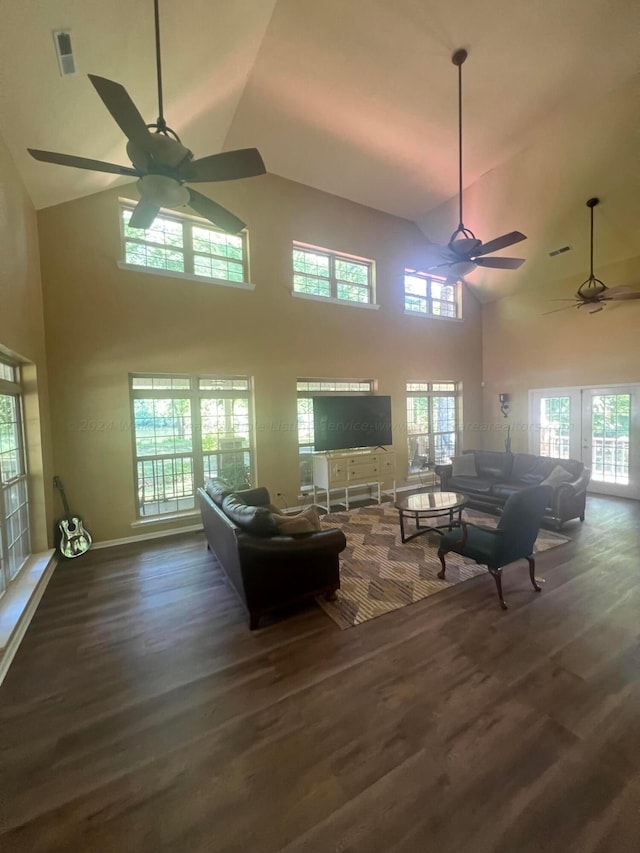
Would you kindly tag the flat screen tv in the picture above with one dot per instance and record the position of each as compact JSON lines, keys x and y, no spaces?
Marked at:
{"x":343,"y":422}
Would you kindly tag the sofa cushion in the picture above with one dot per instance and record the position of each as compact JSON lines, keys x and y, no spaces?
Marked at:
{"x":523,"y":463}
{"x":540,"y":469}
{"x":492,"y":465}
{"x":253,"y":519}
{"x":306,"y":521}
{"x":505,"y":490}
{"x":218,"y":490}
{"x":463,"y":466}
{"x":557,"y":476}
{"x":470,"y":485}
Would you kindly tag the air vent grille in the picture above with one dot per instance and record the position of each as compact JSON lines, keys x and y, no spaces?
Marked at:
{"x":559,"y":251}
{"x":66,"y":62}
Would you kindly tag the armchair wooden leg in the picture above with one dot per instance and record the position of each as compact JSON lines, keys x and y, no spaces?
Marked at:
{"x":441,"y":573}
{"x":497,"y":576}
{"x":532,"y":575}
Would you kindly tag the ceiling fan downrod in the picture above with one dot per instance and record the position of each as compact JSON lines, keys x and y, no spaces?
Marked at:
{"x":161,"y":125}
{"x":587,"y":288}
{"x":458,"y":59}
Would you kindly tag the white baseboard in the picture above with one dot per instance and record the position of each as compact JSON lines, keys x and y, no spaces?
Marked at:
{"x":141,"y":537}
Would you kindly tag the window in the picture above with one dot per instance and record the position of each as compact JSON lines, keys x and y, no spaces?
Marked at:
{"x":555,"y":427}
{"x":430,"y":296}
{"x":322,"y":273}
{"x":186,"y":430}
{"x":184,"y":244}
{"x":307,"y":390}
{"x":14,"y":503}
{"x":432,"y":424}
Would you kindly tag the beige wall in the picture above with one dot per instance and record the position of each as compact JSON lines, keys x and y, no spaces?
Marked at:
{"x":22,"y":334}
{"x":103,"y":323}
{"x":523,"y":349}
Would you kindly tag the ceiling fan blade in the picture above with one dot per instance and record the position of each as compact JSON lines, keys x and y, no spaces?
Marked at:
{"x":82,"y":162}
{"x":215,"y":213}
{"x":227,"y":166}
{"x":143,"y":215}
{"x":619,"y":296}
{"x":500,"y":243}
{"x":555,"y":310}
{"x":596,"y":309}
{"x":500,"y":263}
{"x":621,"y":288}
{"x":117,"y":100}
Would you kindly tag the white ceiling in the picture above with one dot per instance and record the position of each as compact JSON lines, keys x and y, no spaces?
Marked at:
{"x":357,"y":98}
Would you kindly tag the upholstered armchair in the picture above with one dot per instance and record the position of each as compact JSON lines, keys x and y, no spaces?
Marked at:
{"x":512,"y":540}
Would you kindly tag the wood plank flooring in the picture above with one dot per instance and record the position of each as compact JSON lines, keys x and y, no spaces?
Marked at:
{"x":140,"y":714}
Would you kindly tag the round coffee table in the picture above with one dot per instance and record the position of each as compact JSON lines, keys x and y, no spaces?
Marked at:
{"x":429,"y":505}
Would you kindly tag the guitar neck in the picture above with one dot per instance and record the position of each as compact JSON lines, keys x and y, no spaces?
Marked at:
{"x":57,"y":482}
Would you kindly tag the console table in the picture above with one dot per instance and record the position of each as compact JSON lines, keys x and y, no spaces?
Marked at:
{"x":344,"y":469}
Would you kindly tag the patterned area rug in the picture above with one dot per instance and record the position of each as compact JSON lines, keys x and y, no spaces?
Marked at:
{"x":378,"y":573}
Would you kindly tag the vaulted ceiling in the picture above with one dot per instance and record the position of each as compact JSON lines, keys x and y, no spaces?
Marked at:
{"x":358,"y":98}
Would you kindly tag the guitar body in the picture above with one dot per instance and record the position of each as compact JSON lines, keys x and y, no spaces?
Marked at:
{"x":72,"y":537}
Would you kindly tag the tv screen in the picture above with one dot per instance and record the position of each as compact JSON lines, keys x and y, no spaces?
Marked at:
{"x":343,"y":422}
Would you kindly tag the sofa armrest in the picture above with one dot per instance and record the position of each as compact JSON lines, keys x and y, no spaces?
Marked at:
{"x":444,"y":472}
{"x":329,"y":541}
{"x":575,"y":487}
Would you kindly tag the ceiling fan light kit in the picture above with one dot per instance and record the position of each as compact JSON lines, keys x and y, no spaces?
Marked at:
{"x":464,"y":251}
{"x":160,"y":160}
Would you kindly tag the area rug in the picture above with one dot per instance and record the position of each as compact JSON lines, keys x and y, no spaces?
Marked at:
{"x":378,"y":573}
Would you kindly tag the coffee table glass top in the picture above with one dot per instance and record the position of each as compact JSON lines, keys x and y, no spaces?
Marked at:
{"x":432,"y":502}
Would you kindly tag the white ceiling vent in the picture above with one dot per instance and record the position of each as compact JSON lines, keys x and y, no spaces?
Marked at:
{"x":559,"y":251}
{"x":66,"y":62}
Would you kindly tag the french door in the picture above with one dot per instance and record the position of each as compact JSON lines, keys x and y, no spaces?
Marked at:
{"x":600,"y":426}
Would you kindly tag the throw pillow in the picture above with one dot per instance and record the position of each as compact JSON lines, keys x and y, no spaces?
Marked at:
{"x":464,"y":466}
{"x":557,"y":476}
{"x":306,"y":521}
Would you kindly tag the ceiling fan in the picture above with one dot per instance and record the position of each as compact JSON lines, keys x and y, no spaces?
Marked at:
{"x":160,"y":161}
{"x":464,"y":252}
{"x":592,"y":292}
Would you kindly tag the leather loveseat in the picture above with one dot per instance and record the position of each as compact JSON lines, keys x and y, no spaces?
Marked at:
{"x":492,"y":477}
{"x":266,"y":568}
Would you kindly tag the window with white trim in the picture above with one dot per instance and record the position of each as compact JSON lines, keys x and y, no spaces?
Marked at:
{"x":308,"y":389}
{"x":14,"y":498}
{"x":430,"y":295}
{"x":331,"y":275}
{"x":432,"y":424}
{"x":179,"y":243}
{"x":187,"y":429}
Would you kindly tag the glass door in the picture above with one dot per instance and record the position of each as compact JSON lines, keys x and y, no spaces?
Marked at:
{"x":599,"y":426}
{"x":611,"y":439}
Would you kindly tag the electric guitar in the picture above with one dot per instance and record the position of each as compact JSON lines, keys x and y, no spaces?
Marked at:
{"x":74,"y":539}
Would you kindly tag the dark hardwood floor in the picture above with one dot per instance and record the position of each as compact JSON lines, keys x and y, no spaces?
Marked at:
{"x":140,"y":714}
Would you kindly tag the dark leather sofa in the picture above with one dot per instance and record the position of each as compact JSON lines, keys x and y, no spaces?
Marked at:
{"x":267,"y":569}
{"x":498,"y":475}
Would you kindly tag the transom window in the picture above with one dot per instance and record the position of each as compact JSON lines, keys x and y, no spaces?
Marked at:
{"x":432,"y":424}
{"x":307,"y":390}
{"x":14,"y":502}
{"x":184,"y":244}
{"x":323,"y":273}
{"x":186,"y":430}
{"x":430,"y":295}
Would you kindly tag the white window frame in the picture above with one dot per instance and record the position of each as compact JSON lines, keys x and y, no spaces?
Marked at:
{"x":328,"y":388}
{"x":431,"y":390}
{"x":429,"y":300}
{"x":199,"y":455}
{"x":187,"y":222}
{"x":333,"y":256}
{"x":10,"y":386}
